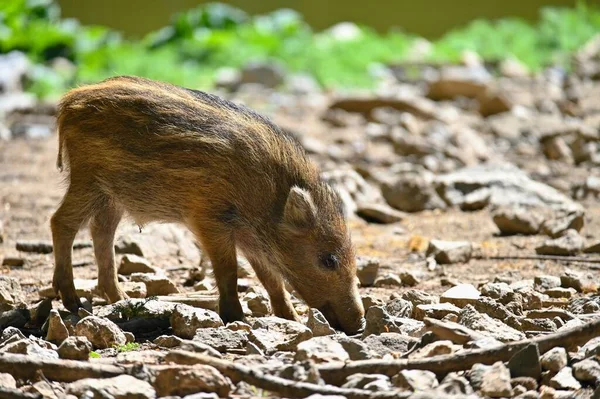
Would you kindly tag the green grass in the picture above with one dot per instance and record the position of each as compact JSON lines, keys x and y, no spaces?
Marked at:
{"x":95,"y":355}
{"x":198,"y":42}
{"x":128,"y":347}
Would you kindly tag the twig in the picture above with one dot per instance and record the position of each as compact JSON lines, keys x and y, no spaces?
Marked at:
{"x":21,"y":366}
{"x":285,"y":387}
{"x":557,"y":258}
{"x":336,"y":373}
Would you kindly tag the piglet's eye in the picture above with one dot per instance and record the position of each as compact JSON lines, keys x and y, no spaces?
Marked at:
{"x":330,"y":261}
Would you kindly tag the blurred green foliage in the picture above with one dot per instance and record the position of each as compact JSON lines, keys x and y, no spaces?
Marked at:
{"x":198,"y":42}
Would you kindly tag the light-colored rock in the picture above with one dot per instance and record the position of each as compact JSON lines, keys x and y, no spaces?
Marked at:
{"x":379,"y":213}
{"x":102,"y":333}
{"x":415,"y":380}
{"x":7,"y":381}
{"x":564,"y":380}
{"x":496,"y":381}
{"x":469,"y":317}
{"x":186,"y":319}
{"x":121,"y":387}
{"x":568,"y":245}
{"x":318,"y":324}
{"x":437,"y":348}
{"x":10,"y":292}
{"x":272,"y":334}
{"x":461,"y":295}
{"x":57,"y":331}
{"x":222,"y":338}
{"x":321,"y":350}
{"x":75,"y":348}
{"x":371,"y":382}
{"x":155,"y":284}
{"x":512,"y":221}
{"x":436,"y":310}
{"x":367,"y":269}
{"x":258,"y":304}
{"x":131,"y":263}
{"x":587,"y":370}
{"x":448,"y":252}
{"x":180,"y":381}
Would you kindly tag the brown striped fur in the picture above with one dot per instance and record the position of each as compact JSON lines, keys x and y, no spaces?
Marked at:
{"x":159,"y":152}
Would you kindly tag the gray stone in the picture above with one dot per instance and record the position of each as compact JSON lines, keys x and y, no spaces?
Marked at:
{"x":469,"y":317}
{"x":418,"y":297}
{"x":266,"y":74}
{"x":318,"y":324}
{"x":320,"y":350}
{"x":389,"y":342}
{"x":57,"y":331}
{"x":509,"y":186}
{"x":367,"y":269}
{"x":526,"y":363}
{"x":179,"y":381}
{"x":7,"y":381}
{"x":415,"y":380}
{"x":543,"y":283}
{"x":436,"y":311}
{"x":496,"y":290}
{"x":258,"y":304}
{"x":186,"y":319}
{"x":222,"y":339}
{"x":121,"y":387}
{"x":587,"y":370}
{"x":564,"y":380}
{"x":10,"y":292}
{"x":372,"y":382}
{"x":357,"y":350}
{"x":272,"y":334}
{"x":14,"y":318}
{"x":102,"y":333}
{"x":555,"y":359}
{"x":496,"y":381}
{"x":447,"y":252}
{"x":412,"y":194}
{"x":379,"y":213}
{"x":155,"y":284}
{"x":131,"y":263}
{"x":512,"y":221}
{"x":29,"y":347}
{"x":568,"y":245}
{"x":399,"y":308}
{"x":75,"y":348}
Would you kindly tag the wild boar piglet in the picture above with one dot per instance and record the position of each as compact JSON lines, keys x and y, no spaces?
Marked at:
{"x":159,"y":152}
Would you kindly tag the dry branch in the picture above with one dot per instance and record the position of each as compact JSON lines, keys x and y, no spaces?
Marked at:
{"x":558,"y":258}
{"x":22,"y":366}
{"x":285,"y":387}
{"x":336,"y":373}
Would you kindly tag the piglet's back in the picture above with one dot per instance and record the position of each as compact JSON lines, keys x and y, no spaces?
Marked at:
{"x":149,"y":143}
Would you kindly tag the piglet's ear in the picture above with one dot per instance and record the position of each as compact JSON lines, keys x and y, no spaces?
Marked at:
{"x":300,"y":211}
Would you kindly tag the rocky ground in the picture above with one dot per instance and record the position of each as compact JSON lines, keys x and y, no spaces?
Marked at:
{"x":472,"y":200}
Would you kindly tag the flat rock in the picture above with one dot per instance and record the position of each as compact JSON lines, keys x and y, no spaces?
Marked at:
{"x":121,"y":387}
{"x":155,"y":284}
{"x":222,"y":339}
{"x":412,"y":194}
{"x":318,"y":324}
{"x":448,"y":252}
{"x":415,"y":380}
{"x":272,"y":334}
{"x":437,"y":348}
{"x":102,"y":333}
{"x":131,"y":263}
{"x":513,"y":221}
{"x":564,"y":380}
{"x":389,"y":342}
{"x":181,"y":381}
{"x":568,"y":245}
{"x":418,"y":297}
{"x":379,"y":213}
{"x":435,"y":311}
{"x":469,"y":317}
{"x":321,"y":350}
{"x":461,"y":295}
{"x":356,"y":349}
{"x":508,"y":187}
{"x":29,"y":347}
{"x":185,"y":320}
